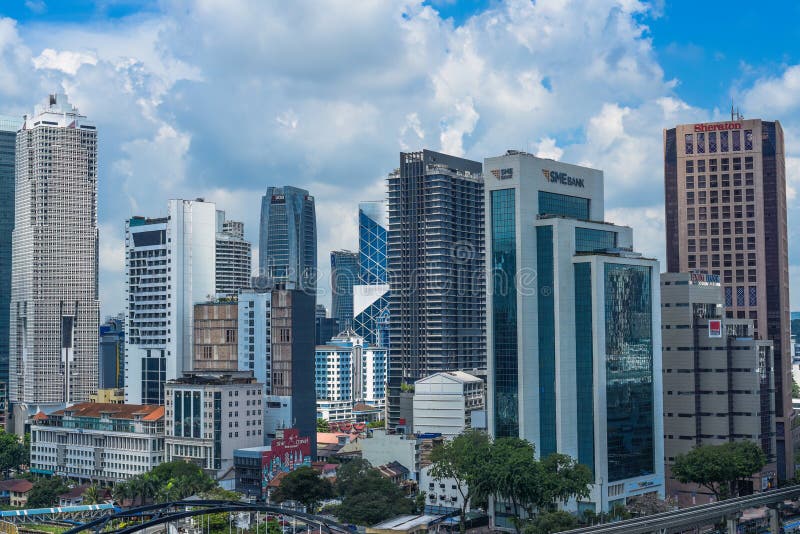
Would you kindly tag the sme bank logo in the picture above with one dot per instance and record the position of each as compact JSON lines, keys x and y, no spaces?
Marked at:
{"x":561,"y":178}
{"x":717,"y":126}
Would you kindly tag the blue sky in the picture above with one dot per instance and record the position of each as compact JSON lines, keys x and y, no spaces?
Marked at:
{"x":221,"y":98}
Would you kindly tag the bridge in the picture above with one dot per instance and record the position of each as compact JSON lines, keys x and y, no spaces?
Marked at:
{"x":159,"y":514}
{"x":71,"y":514}
{"x":728,"y":511}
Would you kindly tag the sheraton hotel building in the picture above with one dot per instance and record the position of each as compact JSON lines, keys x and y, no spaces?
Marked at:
{"x":725,"y":202}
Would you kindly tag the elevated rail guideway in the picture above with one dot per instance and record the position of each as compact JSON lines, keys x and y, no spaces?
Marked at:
{"x":684,"y":519}
{"x":144,"y":517}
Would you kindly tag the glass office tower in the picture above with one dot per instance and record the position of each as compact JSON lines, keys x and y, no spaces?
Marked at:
{"x":573,"y":328}
{"x":288,"y":237}
{"x":371,"y":294}
{"x":344,"y":275}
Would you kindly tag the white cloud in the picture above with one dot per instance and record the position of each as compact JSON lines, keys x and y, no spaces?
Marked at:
{"x":546,"y":148}
{"x":221,"y":98}
{"x":36,"y":6}
{"x":66,"y":61}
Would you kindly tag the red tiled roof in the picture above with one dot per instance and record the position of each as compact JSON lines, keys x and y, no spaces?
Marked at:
{"x":114,"y":411}
{"x":19,"y":485}
{"x":40,"y":417}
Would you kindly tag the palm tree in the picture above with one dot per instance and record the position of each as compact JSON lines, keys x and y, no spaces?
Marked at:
{"x":91,"y":495}
{"x":121,"y":492}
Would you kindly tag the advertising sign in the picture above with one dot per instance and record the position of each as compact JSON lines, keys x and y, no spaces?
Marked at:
{"x":714,"y":328}
{"x":285,"y":455}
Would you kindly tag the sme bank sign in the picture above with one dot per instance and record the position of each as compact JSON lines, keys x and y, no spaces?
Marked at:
{"x":562,"y":178}
{"x":717,"y":126}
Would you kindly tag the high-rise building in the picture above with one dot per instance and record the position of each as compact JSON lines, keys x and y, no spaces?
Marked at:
{"x":344,"y":275}
{"x":216,"y":332}
{"x":111,"y":358}
{"x":371,"y":294}
{"x":349,"y":371}
{"x":54,"y":303}
{"x":719,"y":384}
{"x":292,"y":383}
{"x":725,"y":189}
{"x":255,"y":335}
{"x":287,"y":246}
{"x":372,"y":226}
{"x":169,"y":267}
{"x":233,"y":269}
{"x":435,"y":267}
{"x":208,"y":415}
{"x":8,"y":139}
{"x":573,"y":328}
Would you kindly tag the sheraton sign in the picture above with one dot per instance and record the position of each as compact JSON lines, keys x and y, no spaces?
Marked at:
{"x":713,"y":127}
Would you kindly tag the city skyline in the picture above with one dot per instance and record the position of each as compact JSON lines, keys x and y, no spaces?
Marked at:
{"x":157,"y":145}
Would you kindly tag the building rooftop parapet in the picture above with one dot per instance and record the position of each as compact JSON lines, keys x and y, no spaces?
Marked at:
{"x":214,"y":378}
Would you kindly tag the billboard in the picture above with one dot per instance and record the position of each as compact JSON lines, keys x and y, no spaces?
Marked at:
{"x":714,"y":328}
{"x":286,"y":454}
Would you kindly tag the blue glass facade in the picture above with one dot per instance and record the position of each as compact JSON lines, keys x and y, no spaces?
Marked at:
{"x":344,"y":274}
{"x":547,"y":346}
{"x":8,"y":136}
{"x":372,"y":243}
{"x":504,"y":313}
{"x":564,"y":205}
{"x":288,"y":237}
{"x":593,"y":240}
{"x":584,"y":363}
{"x":373,"y":323}
{"x":629,"y":371}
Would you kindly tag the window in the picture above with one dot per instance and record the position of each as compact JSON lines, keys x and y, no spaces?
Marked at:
{"x":689,"y":197}
{"x":748,"y":178}
{"x":712,"y":165}
{"x":701,"y":143}
{"x":689,"y":166}
{"x":728,"y":296}
{"x":690,"y":182}
{"x":723,"y":141}
{"x":690,"y":214}
{"x":712,"y":141}
{"x":726,"y":180}
{"x":748,"y":163}
{"x":688,"y":144}
{"x":748,"y":140}
{"x":701,"y":165}
{"x":701,"y":181}
{"x":739,"y":294}
{"x":566,"y":205}
{"x":736,"y":137}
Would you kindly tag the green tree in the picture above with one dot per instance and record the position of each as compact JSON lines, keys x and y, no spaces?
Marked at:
{"x":45,"y":492}
{"x":377,"y":424}
{"x":305,"y":486}
{"x":719,"y":468}
{"x":13,"y":453}
{"x":323,"y":426}
{"x":795,"y":389}
{"x":91,"y":495}
{"x":171,"y":481}
{"x":531,"y":485}
{"x":367,"y":496}
{"x":550,"y":522}
{"x":463,"y":459}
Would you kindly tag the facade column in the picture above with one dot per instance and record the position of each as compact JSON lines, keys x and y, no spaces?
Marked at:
{"x":732,"y":523}
{"x":774,"y":517}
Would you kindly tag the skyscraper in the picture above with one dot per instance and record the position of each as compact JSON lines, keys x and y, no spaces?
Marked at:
{"x":344,"y":275}
{"x":233,"y":269}
{"x":725,"y":186}
{"x":8,"y":138}
{"x":573,"y":328}
{"x":111,"y":356}
{"x":371,"y":294}
{"x":54,"y":304}
{"x":169,"y":267}
{"x":435,"y":268}
{"x":287,"y":246}
{"x":742,"y":406}
{"x":372,"y":225}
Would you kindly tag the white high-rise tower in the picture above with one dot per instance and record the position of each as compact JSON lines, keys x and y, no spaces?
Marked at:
{"x":54,"y":304}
